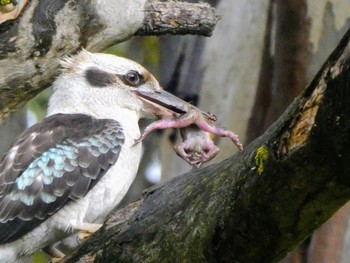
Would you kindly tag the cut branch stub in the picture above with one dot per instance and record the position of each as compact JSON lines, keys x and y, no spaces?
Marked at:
{"x":180,"y":19}
{"x":11,"y":9}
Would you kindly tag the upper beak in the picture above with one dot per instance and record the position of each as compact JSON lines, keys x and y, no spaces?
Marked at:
{"x":163,"y":104}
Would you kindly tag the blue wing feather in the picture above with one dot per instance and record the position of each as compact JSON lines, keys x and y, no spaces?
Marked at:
{"x":52,"y":163}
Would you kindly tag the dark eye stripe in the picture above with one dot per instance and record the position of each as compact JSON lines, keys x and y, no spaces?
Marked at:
{"x":99,"y":78}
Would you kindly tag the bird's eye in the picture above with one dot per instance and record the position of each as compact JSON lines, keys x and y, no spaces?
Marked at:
{"x":133,"y":78}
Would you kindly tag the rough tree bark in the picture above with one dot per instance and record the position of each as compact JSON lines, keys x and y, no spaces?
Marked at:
{"x":255,"y":206}
{"x":48,"y":30}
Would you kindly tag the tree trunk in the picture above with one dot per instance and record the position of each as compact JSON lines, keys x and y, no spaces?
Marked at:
{"x":255,"y":206}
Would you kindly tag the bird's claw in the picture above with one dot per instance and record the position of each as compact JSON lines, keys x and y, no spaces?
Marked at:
{"x":86,"y":230}
{"x":83,"y":235}
{"x":55,"y":260}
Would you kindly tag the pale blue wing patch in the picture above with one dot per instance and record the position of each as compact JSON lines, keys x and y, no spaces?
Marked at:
{"x":51,"y":163}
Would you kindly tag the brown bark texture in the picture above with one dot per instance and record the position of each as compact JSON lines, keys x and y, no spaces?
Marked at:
{"x":255,"y":206}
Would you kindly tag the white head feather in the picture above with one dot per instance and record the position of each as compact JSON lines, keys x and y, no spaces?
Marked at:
{"x":72,"y":93}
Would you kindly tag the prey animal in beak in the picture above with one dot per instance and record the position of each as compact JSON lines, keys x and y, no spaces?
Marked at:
{"x":197,"y":126}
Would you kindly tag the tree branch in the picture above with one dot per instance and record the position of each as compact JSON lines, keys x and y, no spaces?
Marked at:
{"x":47,"y":30}
{"x":255,"y":206}
{"x":180,"y":19}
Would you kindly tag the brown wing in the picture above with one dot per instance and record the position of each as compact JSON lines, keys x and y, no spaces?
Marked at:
{"x":50,"y":164}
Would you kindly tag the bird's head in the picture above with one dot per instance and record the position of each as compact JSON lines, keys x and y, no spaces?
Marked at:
{"x":104,"y":84}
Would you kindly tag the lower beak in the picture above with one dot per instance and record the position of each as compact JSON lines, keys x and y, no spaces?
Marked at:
{"x":163,"y":104}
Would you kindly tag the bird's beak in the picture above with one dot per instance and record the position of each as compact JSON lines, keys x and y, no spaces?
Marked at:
{"x":163,"y":104}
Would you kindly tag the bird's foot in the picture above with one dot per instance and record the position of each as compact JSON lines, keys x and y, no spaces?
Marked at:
{"x":86,"y":230}
{"x":83,"y":236}
{"x":55,"y":260}
{"x":55,"y":253}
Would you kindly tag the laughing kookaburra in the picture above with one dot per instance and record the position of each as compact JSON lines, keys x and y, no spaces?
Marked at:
{"x":68,"y":172}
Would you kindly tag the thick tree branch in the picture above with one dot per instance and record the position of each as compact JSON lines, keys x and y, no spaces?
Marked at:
{"x":255,"y":206}
{"x":47,"y":30}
